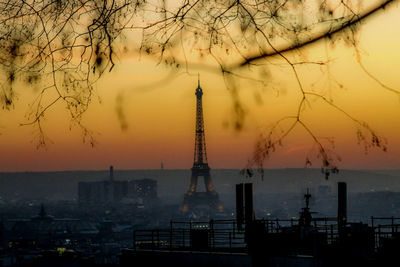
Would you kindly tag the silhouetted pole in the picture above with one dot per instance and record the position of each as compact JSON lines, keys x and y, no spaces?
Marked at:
{"x":248,"y":200}
{"x":111,"y":186}
{"x":111,"y":174}
{"x":239,"y":206}
{"x":342,"y":207}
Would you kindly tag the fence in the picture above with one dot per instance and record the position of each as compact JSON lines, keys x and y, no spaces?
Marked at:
{"x":220,"y":235}
{"x":224,"y":236}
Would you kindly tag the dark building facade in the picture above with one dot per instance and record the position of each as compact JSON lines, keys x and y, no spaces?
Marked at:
{"x":102,"y":191}
{"x":145,"y":189}
{"x":111,"y":191}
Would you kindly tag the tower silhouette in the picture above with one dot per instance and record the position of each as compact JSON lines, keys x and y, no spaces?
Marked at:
{"x":200,"y":167}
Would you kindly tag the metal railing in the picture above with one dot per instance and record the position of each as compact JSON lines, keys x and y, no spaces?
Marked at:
{"x":385,"y":227}
{"x":223,"y":235}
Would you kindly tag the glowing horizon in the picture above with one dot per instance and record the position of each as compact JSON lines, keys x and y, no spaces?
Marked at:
{"x":160,"y":115}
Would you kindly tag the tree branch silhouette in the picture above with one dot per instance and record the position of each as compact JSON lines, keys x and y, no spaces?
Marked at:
{"x":65,"y":46}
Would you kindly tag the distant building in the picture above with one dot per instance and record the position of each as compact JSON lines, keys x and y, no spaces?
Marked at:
{"x":44,"y":240}
{"x":144,"y":190}
{"x":45,"y":231}
{"x":101,"y":192}
{"x":110,"y":191}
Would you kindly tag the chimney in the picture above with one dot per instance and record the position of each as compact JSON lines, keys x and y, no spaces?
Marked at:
{"x":342,"y":204}
{"x":239,"y":206}
{"x":111,"y":173}
{"x":248,"y":206}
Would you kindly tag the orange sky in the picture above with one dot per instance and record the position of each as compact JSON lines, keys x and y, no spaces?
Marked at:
{"x":160,"y":117}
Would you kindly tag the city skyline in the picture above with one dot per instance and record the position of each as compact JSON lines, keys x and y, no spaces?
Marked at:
{"x":237,"y":133}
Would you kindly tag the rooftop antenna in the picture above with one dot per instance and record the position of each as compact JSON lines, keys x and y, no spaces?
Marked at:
{"x":42,"y":212}
{"x":305,"y":215}
{"x":111,"y":173}
{"x":307,"y":198}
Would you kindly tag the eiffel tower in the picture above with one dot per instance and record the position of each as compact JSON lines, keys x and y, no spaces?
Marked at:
{"x":200,"y":167}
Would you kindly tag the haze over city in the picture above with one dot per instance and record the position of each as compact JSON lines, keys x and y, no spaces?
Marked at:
{"x":199,"y":133}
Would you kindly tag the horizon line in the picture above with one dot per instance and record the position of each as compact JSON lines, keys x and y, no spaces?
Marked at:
{"x":188,"y":169}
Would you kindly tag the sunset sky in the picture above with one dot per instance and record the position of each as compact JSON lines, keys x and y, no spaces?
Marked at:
{"x":160,"y":115}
